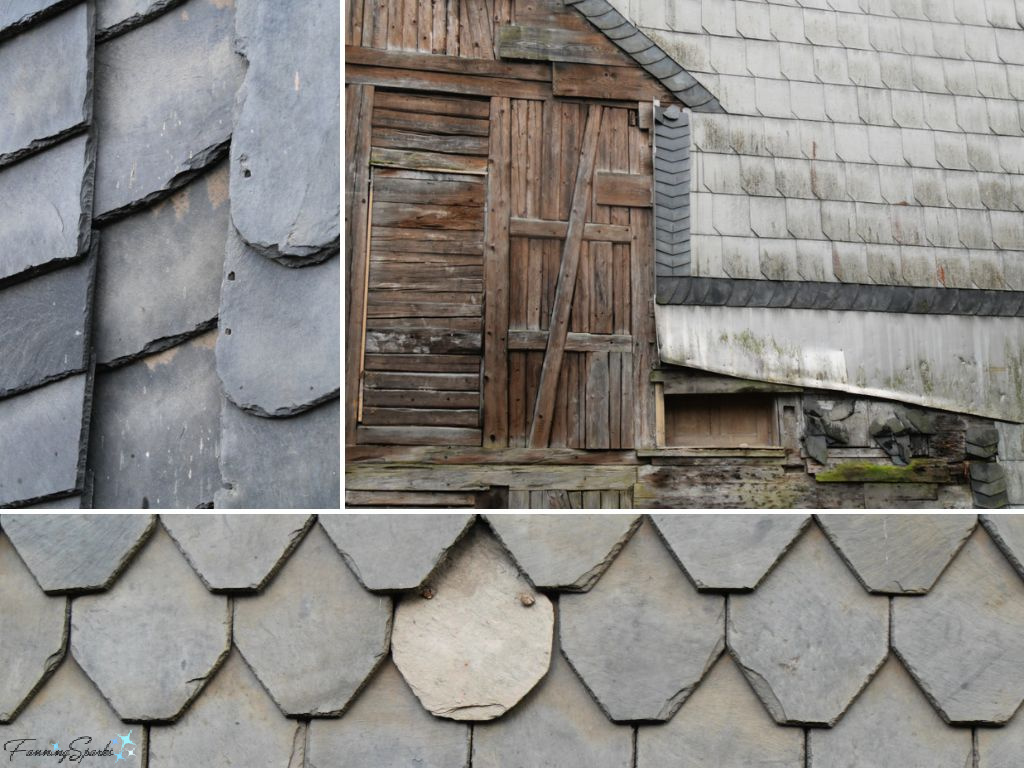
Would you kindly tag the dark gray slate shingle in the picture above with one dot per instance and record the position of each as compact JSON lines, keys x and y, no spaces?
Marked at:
{"x":18,"y":14}
{"x":116,"y":16}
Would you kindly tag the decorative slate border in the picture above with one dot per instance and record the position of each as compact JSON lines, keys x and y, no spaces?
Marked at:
{"x":672,"y":192}
{"x":795,"y":294}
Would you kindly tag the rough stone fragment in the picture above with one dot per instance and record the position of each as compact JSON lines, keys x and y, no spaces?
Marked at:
{"x":41,"y":434}
{"x":116,"y":16}
{"x":286,"y":204}
{"x":45,"y":81}
{"x":278,"y":349}
{"x":77,"y":553}
{"x":387,"y":728}
{"x":891,"y":724}
{"x":160,"y":270}
{"x":151,"y":642}
{"x":156,"y":428}
{"x":809,"y":639}
{"x":280,"y":463}
{"x":898,"y":554}
{"x":44,"y":327}
{"x":45,"y":205}
{"x":723,"y":723}
{"x":235,"y":717}
{"x":236,"y":554}
{"x":480,"y":640}
{"x":564,"y":551}
{"x":1007,"y":531}
{"x":1001,"y":747}
{"x":312,"y":648}
{"x":389,"y":552}
{"x":164,"y":96}
{"x":728,"y":552}
{"x":961,"y":641}
{"x":16,"y":14}
{"x":643,"y":637}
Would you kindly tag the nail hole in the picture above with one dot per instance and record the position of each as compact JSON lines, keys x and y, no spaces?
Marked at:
{"x":247,"y":173}
{"x":231,"y":275}
{"x":227,"y":331}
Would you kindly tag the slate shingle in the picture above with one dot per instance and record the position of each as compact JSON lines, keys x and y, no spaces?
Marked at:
{"x":1001,"y":747}
{"x":18,"y":14}
{"x":1007,"y":531}
{"x":114,"y":17}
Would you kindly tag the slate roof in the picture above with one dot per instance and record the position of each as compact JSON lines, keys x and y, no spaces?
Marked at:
{"x":740,"y":640}
{"x":169,"y":238}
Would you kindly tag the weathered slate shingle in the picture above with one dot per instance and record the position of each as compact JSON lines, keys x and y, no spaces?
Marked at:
{"x":16,"y":15}
{"x":113,"y":17}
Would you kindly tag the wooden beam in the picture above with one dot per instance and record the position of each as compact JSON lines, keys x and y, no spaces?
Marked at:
{"x":429,"y":161}
{"x":427,"y":62}
{"x":445,"y":82}
{"x":556,"y":230}
{"x":527,"y":340}
{"x":496,"y":277}
{"x":426,"y":477}
{"x":450,"y":455}
{"x":626,"y":189}
{"x":554,"y":44}
{"x":540,"y":430}
{"x":588,"y":81}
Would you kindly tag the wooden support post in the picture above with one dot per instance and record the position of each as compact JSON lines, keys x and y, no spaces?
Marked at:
{"x":496,"y":267}
{"x":540,"y":431}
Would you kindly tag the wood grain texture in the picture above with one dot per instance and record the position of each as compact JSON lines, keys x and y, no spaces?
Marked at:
{"x":496,"y":276}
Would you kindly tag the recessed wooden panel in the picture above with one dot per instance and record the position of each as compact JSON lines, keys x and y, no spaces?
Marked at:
{"x":719,"y":421}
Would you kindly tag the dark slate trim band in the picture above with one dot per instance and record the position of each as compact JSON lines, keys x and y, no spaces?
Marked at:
{"x":847,"y":297}
{"x":672,"y":192}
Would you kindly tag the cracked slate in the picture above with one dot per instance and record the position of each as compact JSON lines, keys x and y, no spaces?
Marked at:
{"x":289,"y":99}
{"x":414,"y":545}
{"x":387,"y":728}
{"x":809,"y":639}
{"x":180,"y":634}
{"x":44,"y":327}
{"x":558,"y":724}
{"x":114,"y":17}
{"x":41,"y":435}
{"x":961,"y":641}
{"x":32,"y":634}
{"x":1007,"y":531}
{"x":169,"y":260}
{"x":232,"y":553}
{"x":891,"y":724}
{"x":277,"y":354}
{"x":77,"y":553}
{"x":45,"y":82}
{"x":281,"y":633}
{"x":280,"y":463}
{"x":722,"y":723}
{"x":480,"y":641}
{"x":1001,"y":747}
{"x":898,"y":554}
{"x":156,"y":430}
{"x":563,"y":552}
{"x":170,"y":83}
{"x":728,"y":552}
{"x":45,"y":205}
{"x":643,"y":637}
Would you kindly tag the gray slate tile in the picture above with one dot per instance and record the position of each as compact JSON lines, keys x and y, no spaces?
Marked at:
{"x":1007,"y":531}
{"x":643,"y":637}
{"x":233,"y":553}
{"x":32,"y":634}
{"x":45,"y":82}
{"x":280,"y":463}
{"x":277,"y":353}
{"x":164,"y":96}
{"x":480,"y":640}
{"x":286,"y":204}
{"x":41,"y":436}
{"x":388,"y":552}
{"x":69,"y":502}
{"x":567,"y":552}
{"x":387,"y":728}
{"x":77,"y":553}
{"x":891,"y":724}
{"x":113,"y":17}
{"x":809,"y":639}
{"x":898,"y":554}
{"x":728,"y":552}
{"x":45,"y":206}
{"x":557,"y":724}
{"x":17,"y":14}
{"x":160,"y":271}
{"x":722,"y":721}
{"x":155,"y":430}
{"x":152,"y":641}
{"x":283,"y":633}
{"x":44,"y":327}
{"x":962,"y":641}
{"x":1001,"y":747}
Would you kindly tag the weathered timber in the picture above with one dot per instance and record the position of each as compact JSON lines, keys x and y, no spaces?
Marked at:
{"x":575,"y":342}
{"x":428,"y":161}
{"x":685,"y":383}
{"x":407,"y":435}
{"x":427,"y":381}
{"x":421,"y":417}
{"x":669,"y":454}
{"x":422,"y":363}
{"x":401,"y":186}
{"x":467,"y":84}
{"x":405,"y":477}
{"x":429,"y":104}
{"x":439,"y":341}
{"x":449,"y":455}
{"x":557,"y":44}
{"x":556,"y":230}
{"x":429,"y":123}
{"x":917,"y":471}
{"x":389,"y":138}
{"x":419,"y":62}
{"x":625,"y":189}
{"x":421,"y":398}
{"x":600,"y":82}
{"x":408,"y":499}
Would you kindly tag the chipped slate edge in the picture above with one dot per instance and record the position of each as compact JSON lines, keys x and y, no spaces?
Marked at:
{"x":19,"y":26}
{"x":845,"y":297}
{"x":52,"y":662}
{"x":156,"y":8}
{"x":990,"y":528}
{"x":672,"y":192}
{"x":647,"y":54}
{"x":161,"y":344}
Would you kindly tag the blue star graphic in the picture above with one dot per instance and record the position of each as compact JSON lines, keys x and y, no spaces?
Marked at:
{"x":118,"y":756}
{"x":114,"y":741}
{"x":56,"y":747}
{"x":126,"y":740}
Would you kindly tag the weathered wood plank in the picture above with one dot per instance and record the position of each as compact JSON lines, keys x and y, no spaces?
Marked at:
{"x":443,"y":325}
{"x":575,"y":342}
{"x":547,"y":456}
{"x":616,"y":404}
{"x":518,"y":420}
{"x":422,"y":380}
{"x":645,"y":428}
{"x":668,"y":454}
{"x":627,"y":189}
{"x":408,"y":309}
{"x":354,"y":22}
{"x":423,"y":363}
{"x":596,"y":408}
{"x":389,"y":138}
{"x":426,"y":216}
{"x":355,"y":55}
{"x":428,"y":161}
{"x":417,"y":436}
{"x":445,"y":82}
{"x":627,"y":83}
{"x":406,"y":240}
{"x":404,"y":477}
{"x":419,"y":341}
{"x":432,"y":104}
{"x":377,"y":36}
{"x":867,"y":471}
{"x":496,"y":276}
{"x":392,"y":282}
{"x":411,"y":398}
{"x":556,"y":230}
{"x":425,"y":417}
{"x":556,"y":44}
{"x":416,"y":188}
{"x":408,"y":499}
{"x":429,"y":123}
{"x":475,"y":29}
{"x":685,"y":383}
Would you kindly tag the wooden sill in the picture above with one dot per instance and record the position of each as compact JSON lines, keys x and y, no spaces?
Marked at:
{"x":749,"y":452}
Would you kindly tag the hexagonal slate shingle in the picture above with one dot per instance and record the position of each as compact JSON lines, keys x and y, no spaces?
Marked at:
{"x":962,"y":641}
{"x":809,"y":639}
{"x":474,"y":644}
{"x":643,"y":637}
{"x":1001,"y":747}
{"x":233,"y":553}
{"x":313,"y":635}
{"x":76,"y":553}
{"x":567,"y":552}
{"x":151,"y":642}
{"x":898,"y":554}
{"x":729,"y":552}
{"x":391,"y":552}
{"x":1007,"y":531}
